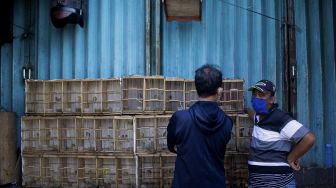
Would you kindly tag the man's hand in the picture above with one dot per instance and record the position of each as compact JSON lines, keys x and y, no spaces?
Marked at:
{"x":301,"y":148}
{"x":295,"y":165}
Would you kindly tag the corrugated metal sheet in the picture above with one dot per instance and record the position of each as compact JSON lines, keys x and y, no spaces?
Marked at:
{"x":315,"y":52}
{"x":243,"y":43}
{"x":112,"y":44}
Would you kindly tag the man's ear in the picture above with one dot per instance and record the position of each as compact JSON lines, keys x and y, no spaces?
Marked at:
{"x":272,"y":99}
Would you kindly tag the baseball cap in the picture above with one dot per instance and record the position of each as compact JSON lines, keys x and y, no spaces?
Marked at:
{"x":263,"y":86}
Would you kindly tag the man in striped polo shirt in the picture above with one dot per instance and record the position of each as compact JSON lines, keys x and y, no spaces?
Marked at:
{"x":278,"y":141}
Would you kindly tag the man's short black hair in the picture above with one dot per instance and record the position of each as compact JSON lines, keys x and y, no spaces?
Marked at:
{"x":208,"y":79}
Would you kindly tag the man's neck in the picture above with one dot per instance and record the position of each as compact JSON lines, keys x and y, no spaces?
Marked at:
{"x":212,"y":98}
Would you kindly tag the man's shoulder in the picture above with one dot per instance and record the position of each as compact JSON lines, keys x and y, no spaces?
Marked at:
{"x":180,"y":113}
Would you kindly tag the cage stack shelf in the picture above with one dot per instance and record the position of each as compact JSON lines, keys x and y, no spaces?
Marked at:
{"x":86,"y":171}
{"x":151,"y":134}
{"x":39,"y":134}
{"x":156,"y":170}
{"x":190,"y":93}
{"x":91,"y":97}
{"x":104,"y":134}
{"x":232,"y":98}
{"x":236,"y":170}
{"x":72,"y":97}
{"x":68,"y":133}
{"x":154,"y":100}
{"x":231,"y":147}
{"x":34,"y":97}
{"x":113,"y":132}
{"x":53,"y":96}
{"x":86,"y":134}
{"x":241,"y":134}
{"x":124,"y":134}
{"x":244,"y":127}
{"x":174,"y":94}
{"x":133,"y":94}
{"x":112,"y":96}
{"x":50,"y":170}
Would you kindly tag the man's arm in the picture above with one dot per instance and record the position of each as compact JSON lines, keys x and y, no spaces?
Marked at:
{"x":171,"y":137}
{"x":300,"y":149}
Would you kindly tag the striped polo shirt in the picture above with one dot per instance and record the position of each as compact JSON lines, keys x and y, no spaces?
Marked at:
{"x":272,"y":139}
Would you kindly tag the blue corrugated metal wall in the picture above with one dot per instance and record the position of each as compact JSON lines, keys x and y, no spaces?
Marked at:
{"x":112,"y":43}
{"x":244,"y":44}
{"x":315,"y":52}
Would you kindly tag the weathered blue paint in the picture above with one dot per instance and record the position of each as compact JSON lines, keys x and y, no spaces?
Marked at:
{"x":111,"y":44}
{"x":6,"y":77}
{"x":316,"y":87}
{"x":79,"y":48}
{"x":92,"y":38}
{"x":42,"y":30}
{"x":329,"y":70}
{"x":315,"y":51}
{"x":17,"y":64}
{"x":243,"y":44}
{"x":105,"y":37}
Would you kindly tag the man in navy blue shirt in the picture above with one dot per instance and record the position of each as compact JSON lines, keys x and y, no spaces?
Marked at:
{"x":199,"y":135}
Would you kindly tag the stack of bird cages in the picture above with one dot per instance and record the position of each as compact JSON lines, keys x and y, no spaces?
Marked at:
{"x":145,"y":127}
{"x":112,"y":96}
{"x":154,"y":94}
{"x":124,"y":134}
{"x":241,"y":133}
{"x":232,"y":98}
{"x":231,"y":147}
{"x":162,"y":122}
{"x":236,"y":170}
{"x":51,"y":171}
{"x":30,"y":134}
{"x":68,"y":133}
{"x":126,"y":171}
{"x":151,"y":134}
{"x":86,"y":134}
{"x":167,"y":170}
{"x":104,"y":134}
{"x":48,"y":134}
{"x":86,"y":171}
{"x":191,"y":95}
{"x":149,"y":171}
{"x":155,"y":170}
{"x":72,"y":97}
{"x":106,"y":171}
{"x":174,"y":94}
{"x":53,"y":96}
{"x":133,"y":94}
{"x":92,"y":96}
{"x":56,"y":170}
{"x":34,"y":97}
{"x":31,"y":171}
{"x":39,"y":134}
{"x":244,"y":131}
